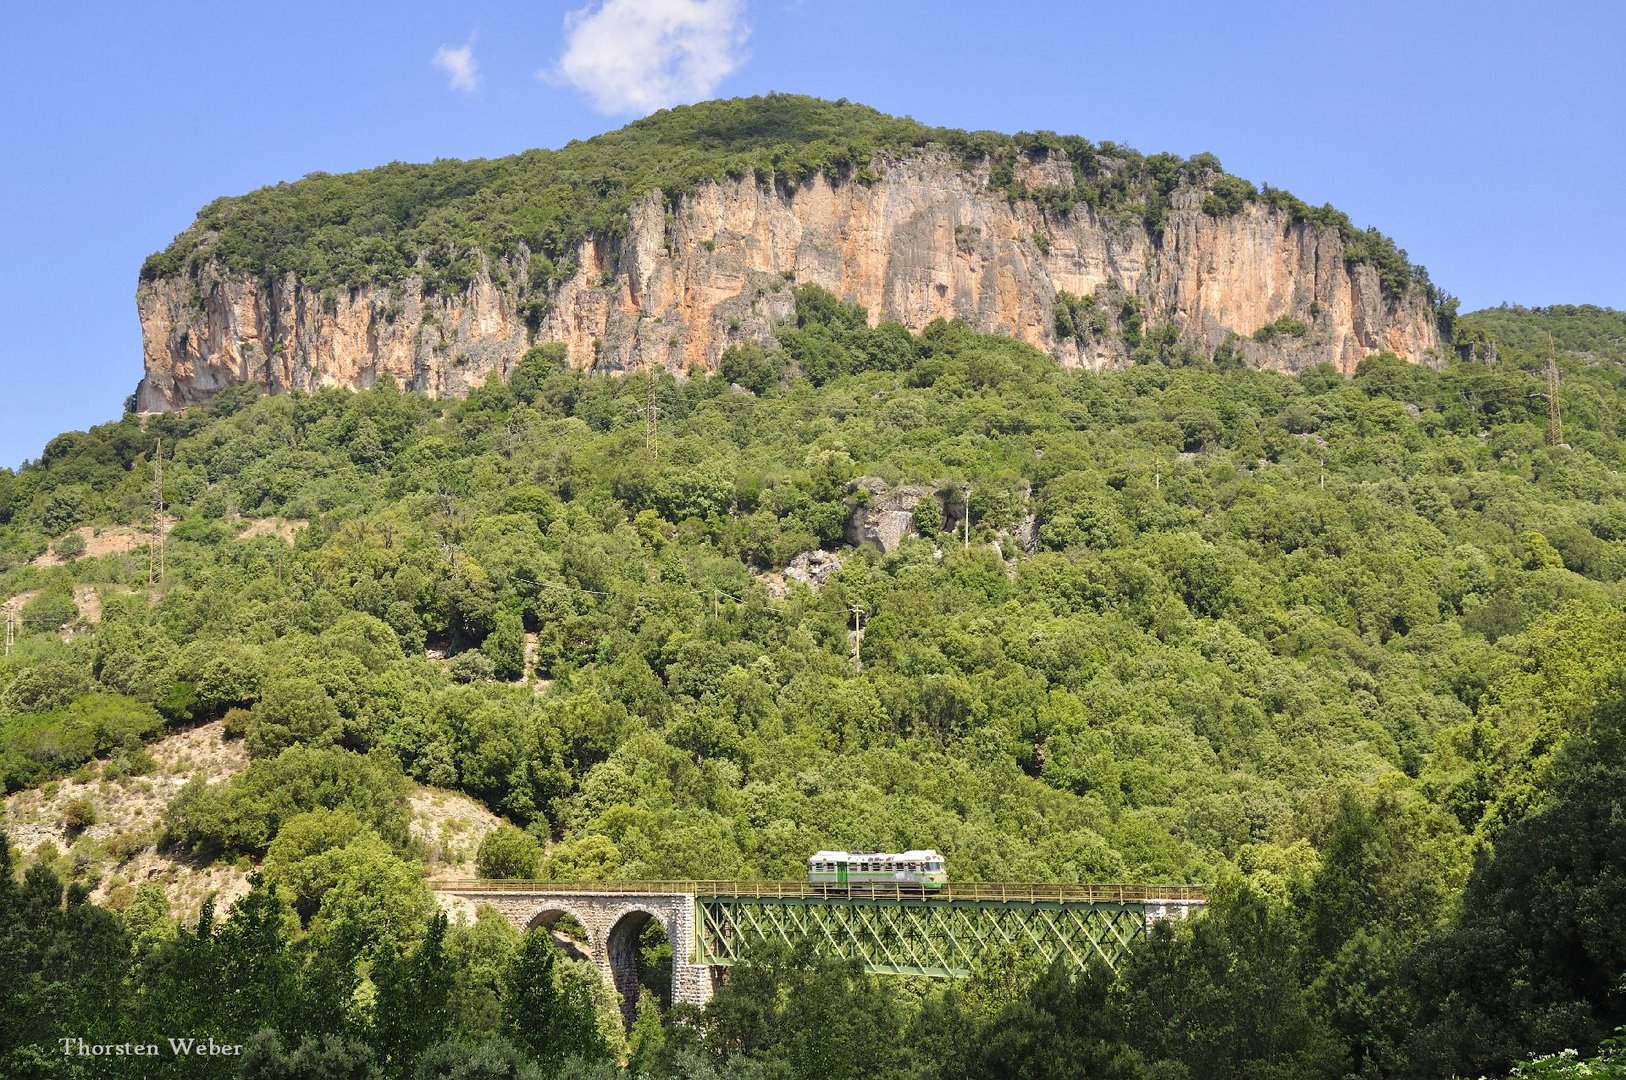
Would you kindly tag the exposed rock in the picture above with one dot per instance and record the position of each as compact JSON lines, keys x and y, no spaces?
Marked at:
{"x":1027,"y":534}
{"x":927,"y":240}
{"x":813,"y":568}
{"x":884,"y":515}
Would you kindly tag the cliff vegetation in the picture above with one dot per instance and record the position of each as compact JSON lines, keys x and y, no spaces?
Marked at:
{"x":440,"y":220}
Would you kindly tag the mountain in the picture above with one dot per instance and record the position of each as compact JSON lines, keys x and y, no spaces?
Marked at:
{"x":679,"y":236}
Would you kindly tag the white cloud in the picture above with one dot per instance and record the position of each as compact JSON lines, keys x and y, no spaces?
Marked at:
{"x":636,"y":56}
{"x":462,"y":73}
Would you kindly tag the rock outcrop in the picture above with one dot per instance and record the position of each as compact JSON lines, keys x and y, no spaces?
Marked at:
{"x":883,"y":515}
{"x":927,"y":239}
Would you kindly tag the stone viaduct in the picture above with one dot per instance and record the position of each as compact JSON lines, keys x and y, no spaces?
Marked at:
{"x":614,"y":921}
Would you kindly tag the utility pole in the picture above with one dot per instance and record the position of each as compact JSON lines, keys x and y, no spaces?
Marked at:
{"x":1555,"y":422}
{"x":968,"y":517}
{"x":1323,"y":473}
{"x":858,"y":637}
{"x":11,"y":631}
{"x":1157,"y":474}
{"x":155,"y":553}
{"x":651,"y":412}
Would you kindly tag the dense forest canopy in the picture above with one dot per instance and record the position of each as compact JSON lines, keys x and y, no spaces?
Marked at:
{"x":444,"y":220}
{"x":1345,"y":649}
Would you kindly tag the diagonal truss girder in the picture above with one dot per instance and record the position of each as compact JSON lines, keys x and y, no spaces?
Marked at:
{"x":932,"y":937}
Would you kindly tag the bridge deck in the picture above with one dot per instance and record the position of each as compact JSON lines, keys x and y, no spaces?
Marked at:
{"x":1005,"y":892}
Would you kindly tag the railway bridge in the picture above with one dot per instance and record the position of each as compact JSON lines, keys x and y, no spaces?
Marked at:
{"x":712,"y":925}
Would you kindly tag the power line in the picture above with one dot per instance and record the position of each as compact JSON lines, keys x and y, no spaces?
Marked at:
{"x":155,"y":551}
{"x":859,"y":620}
{"x":1555,"y":422}
{"x":651,"y":417}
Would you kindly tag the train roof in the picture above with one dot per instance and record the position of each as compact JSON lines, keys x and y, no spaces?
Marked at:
{"x":917,"y":855}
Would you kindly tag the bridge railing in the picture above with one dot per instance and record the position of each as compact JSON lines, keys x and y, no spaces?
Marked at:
{"x":1021,"y":892}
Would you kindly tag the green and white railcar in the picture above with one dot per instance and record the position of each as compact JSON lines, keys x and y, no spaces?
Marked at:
{"x":858,"y":871}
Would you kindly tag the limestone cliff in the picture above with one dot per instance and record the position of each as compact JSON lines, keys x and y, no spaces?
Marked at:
{"x":924,"y":237}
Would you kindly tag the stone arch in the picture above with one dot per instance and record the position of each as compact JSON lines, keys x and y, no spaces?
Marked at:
{"x":626,"y":926}
{"x":549,"y":918}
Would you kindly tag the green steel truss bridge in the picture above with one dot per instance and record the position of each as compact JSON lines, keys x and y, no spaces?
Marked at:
{"x":713,"y":925}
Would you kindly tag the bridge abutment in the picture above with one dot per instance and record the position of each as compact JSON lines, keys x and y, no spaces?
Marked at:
{"x":1155,"y":911}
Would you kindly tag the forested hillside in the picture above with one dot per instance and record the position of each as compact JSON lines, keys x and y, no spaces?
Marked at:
{"x":1345,"y":649}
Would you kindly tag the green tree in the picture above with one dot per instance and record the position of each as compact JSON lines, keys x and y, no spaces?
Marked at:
{"x":507,"y":852}
{"x":1532,"y":963}
{"x":505,"y":646}
{"x":292,"y":711}
{"x":549,"y":1021}
{"x":413,"y":1005}
{"x":1224,"y":995}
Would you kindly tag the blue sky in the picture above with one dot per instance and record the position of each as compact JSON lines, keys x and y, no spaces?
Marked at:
{"x":1488,"y":138}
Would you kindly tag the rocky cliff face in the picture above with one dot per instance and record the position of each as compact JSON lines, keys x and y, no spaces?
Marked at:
{"x":927,"y":240}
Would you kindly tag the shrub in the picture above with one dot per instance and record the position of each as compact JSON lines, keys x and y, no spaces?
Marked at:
{"x":1285,"y":326}
{"x":49,"y":611}
{"x":48,"y":685}
{"x":748,"y":366}
{"x":36,"y":746}
{"x":71,"y":546}
{"x":506,"y":852}
{"x":1230,"y":195}
{"x":244,"y":814}
{"x":78,"y":814}
{"x":234,"y":725}
{"x":292,"y":711}
{"x":472,"y":666}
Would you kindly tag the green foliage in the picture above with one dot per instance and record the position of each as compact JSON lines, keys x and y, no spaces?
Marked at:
{"x":1229,"y":195}
{"x":1515,"y":336}
{"x":507,"y":852}
{"x":49,"y":611}
{"x":246,"y":813}
{"x":505,"y":646}
{"x":807,"y":1016}
{"x":749,"y":366}
{"x":1283,"y":326}
{"x":292,"y":712}
{"x":1568,"y":1064}
{"x":1534,"y":962}
{"x":49,"y":684}
{"x":1313,"y":636}
{"x":35,"y":746}
{"x":525,"y":216}
{"x":78,"y":814}
{"x":265,"y":1057}
{"x":70,"y":546}
{"x":546,"y":1010}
